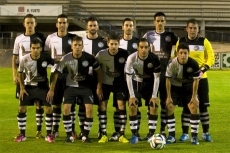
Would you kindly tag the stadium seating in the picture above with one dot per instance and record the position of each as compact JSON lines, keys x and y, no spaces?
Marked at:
{"x":176,"y":10}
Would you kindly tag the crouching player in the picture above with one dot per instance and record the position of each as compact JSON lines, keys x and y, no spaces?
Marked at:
{"x":143,"y":77}
{"x":182,"y":79}
{"x":34,"y":87}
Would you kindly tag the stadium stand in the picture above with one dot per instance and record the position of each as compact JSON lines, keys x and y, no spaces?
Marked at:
{"x":177,"y":11}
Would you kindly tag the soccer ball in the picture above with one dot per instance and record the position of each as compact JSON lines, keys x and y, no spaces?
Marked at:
{"x":157,"y":141}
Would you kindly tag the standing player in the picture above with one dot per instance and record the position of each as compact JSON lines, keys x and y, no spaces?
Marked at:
{"x":34,"y":86}
{"x":59,"y":43}
{"x":129,"y":43}
{"x":143,"y":78}
{"x":22,"y":47}
{"x":112,"y":61}
{"x":78,"y":85}
{"x":161,"y":43}
{"x":182,"y":79}
{"x":93,"y":43}
{"x":201,"y":50}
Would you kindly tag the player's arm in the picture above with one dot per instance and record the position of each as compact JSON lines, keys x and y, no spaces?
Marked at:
{"x":168,"y":76}
{"x":21,"y":80}
{"x":99,"y":83}
{"x":209,"y":55}
{"x":168,"y":88}
{"x":129,"y":73}
{"x":53,"y":80}
{"x":14,"y":69}
{"x":98,"y":69}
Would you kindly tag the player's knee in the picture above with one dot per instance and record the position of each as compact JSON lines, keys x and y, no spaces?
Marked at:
{"x":22,"y":109}
{"x":66,"y":109}
{"x":170,"y":109}
{"x":102,"y":106}
{"x":133,"y":108}
{"x":194,"y":109}
{"x":48,"y":110}
{"x":121,"y":106}
{"x":89,"y":110}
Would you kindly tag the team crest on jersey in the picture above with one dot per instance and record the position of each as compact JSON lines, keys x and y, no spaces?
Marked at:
{"x":69,"y":41}
{"x":121,"y":60}
{"x":189,"y":69}
{"x":100,"y":44}
{"x":134,"y":45}
{"x":196,"y":47}
{"x":167,"y":38}
{"x":150,"y":65}
{"x":44,"y":64}
{"x":85,"y":63}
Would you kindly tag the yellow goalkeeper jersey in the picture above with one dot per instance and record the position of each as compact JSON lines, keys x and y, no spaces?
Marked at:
{"x":200,"y":50}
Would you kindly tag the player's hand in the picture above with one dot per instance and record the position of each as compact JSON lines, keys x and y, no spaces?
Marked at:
{"x":133,"y":101}
{"x":195,"y":101}
{"x":16,"y":80}
{"x":22,"y":93}
{"x":49,"y":96}
{"x":155,"y":102}
{"x":99,"y":93}
{"x":200,"y":74}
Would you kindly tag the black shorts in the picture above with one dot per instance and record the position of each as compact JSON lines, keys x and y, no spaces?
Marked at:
{"x":72,"y":93}
{"x":203,"y":93}
{"x":59,"y":91}
{"x":181,"y":96}
{"x":35,"y":94}
{"x":120,"y":92}
{"x":143,"y":90}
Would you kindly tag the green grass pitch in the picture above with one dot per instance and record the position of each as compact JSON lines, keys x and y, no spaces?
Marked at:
{"x":219,"y":129}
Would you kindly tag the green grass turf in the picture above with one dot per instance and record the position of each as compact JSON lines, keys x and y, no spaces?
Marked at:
{"x":219,"y":97}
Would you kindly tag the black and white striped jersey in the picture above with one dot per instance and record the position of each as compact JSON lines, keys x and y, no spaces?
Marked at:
{"x":22,"y":44}
{"x":93,"y":46}
{"x":59,"y":46}
{"x":78,"y":69}
{"x":161,"y":44}
{"x":143,"y":70}
{"x":182,"y":75}
{"x":35,"y":70}
{"x":129,"y":45}
{"x":112,"y":65}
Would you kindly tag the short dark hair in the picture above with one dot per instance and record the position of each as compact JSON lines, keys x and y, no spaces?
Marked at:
{"x":29,"y":16}
{"x":127,"y":19}
{"x":143,"y":40}
{"x":36,"y":40}
{"x":159,"y":14}
{"x":113,"y":37}
{"x":193,"y":21}
{"x":91,"y":18}
{"x":77,"y":38}
{"x":183,"y":45}
{"x":62,"y":16}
